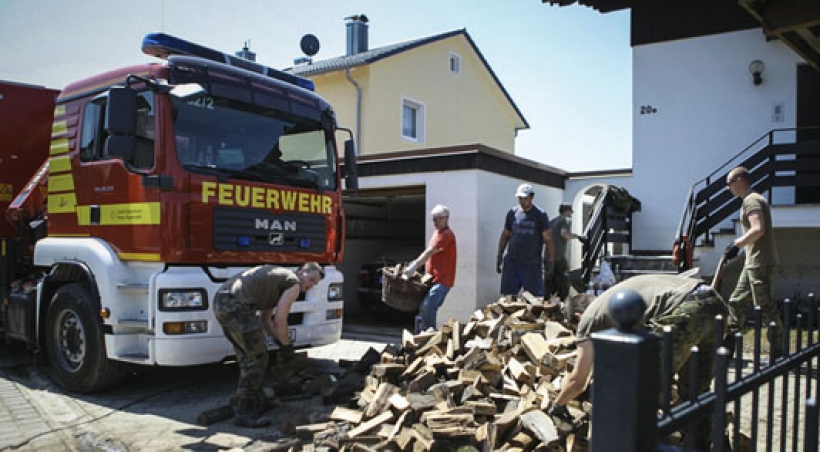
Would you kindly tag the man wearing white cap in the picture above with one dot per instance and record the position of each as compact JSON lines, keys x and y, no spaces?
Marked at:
{"x":525,"y":234}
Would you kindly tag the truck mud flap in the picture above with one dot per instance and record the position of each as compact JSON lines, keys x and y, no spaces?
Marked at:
{"x":18,"y":317}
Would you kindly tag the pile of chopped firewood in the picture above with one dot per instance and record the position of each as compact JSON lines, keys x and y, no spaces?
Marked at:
{"x":481,"y":385}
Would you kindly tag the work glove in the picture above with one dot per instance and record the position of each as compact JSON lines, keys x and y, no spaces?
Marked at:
{"x":411,"y":269}
{"x":583,"y":239}
{"x":547,"y":266}
{"x":498,"y":261}
{"x":286,"y":353}
{"x":731,"y":252}
{"x":561,"y":412}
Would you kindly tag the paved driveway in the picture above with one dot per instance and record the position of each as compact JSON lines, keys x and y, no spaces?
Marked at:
{"x":156,"y":409}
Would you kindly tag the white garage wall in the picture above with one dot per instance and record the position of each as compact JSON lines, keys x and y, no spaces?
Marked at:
{"x":478,"y":202}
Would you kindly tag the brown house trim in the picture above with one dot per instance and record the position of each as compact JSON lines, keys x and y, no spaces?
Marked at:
{"x":461,"y":157}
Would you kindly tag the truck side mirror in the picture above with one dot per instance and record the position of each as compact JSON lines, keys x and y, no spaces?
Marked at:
{"x":121,"y":146}
{"x":121,"y":113}
{"x":351,"y":170}
{"x":121,"y":123}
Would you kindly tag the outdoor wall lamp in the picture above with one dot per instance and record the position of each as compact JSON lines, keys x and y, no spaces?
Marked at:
{"x":756,"y":68}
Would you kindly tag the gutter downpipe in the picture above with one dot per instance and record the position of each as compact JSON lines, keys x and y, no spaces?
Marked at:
{"x":358,"y":110}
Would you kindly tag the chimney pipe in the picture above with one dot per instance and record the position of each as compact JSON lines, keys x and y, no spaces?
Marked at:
{"x":356,"y":34}
{"x":246,"y":52}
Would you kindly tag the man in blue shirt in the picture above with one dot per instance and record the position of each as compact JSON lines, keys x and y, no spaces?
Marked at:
{"x":526,"y":232}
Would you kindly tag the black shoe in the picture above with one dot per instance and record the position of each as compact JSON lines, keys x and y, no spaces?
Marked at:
{"x":246,"y":414}
{"x":263,"y":405}
{"x":729,"y":343}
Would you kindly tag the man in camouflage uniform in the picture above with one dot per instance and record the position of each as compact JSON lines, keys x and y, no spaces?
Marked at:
{"x":265,"y":288}
{"x":754,"y":287}
{"x":686,"y":304}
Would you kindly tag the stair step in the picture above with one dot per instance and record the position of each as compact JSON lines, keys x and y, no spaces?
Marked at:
{"x":647,"y":272}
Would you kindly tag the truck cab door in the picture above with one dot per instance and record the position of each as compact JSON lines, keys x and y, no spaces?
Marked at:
{"x":117,"y":152}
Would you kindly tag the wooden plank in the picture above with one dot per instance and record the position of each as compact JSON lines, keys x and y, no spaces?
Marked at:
{"x":531,"y":299}
{"x":540,"y":425}
{"x":424,"y":380}
{"x":523,"y":440}
{"x":387,"y":370}
{"x":413,"y":367}
{"x":452,"y":425}
{"x":451,"y":351}
{"x":456,"y":337}
{"x":346,"y":414}
{"x":553,"y":330}
{"x":481,"y":408}
{"x":535,"y":346}
{"x":489,"y":435}
{"x":405,"y":439}
{"x":407,"y":340}
{"x":399,"y":402}
{"x":371,"y":424}
{"x":310,"y":429}
{"x":518,"y":371}
{"x":468,"y":328}
{"x":398,"y":427}
{"x":470,"y":376}
{"x":381,"y":400}
{"x":424,"y":439}
{"x":421,"y":402}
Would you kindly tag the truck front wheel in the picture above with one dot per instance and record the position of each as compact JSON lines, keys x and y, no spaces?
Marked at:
{"x":75,"y":344}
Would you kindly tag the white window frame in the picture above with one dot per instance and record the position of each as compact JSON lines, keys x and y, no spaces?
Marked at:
{"x":419,"y":109}
{"x":454,"y":58}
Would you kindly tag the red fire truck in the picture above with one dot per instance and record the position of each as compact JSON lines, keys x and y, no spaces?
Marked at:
{"x":132,"y":195}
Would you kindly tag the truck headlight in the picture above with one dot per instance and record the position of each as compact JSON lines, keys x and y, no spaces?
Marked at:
{"x":333,"y":314}
{"x":335,"y":292}
{"x":183,"y":299}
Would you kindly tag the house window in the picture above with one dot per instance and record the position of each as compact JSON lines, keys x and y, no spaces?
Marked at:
{"x":455,"y":63}
{"x":412,"y":120}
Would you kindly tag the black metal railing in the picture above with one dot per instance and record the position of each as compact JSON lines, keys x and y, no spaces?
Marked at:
{"x":609,"y":222}
{"x":766,"y":402}
{"x":774,"y":160}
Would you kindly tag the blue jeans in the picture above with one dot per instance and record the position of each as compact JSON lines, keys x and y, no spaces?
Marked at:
{"x":429,"y":306}
{"x":515,"y":275}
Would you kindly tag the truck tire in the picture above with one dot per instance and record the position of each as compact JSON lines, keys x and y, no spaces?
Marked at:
{"x":75,"y":344}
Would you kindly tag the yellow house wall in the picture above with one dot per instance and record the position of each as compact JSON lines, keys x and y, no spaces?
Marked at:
{"x":341,"y":94}
{"x":468,"y":107}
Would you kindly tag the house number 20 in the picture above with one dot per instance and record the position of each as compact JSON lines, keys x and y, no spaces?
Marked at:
{"x":648,"y":109}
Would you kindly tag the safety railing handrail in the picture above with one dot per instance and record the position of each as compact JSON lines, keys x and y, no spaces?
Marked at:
{"x":687,"y":223}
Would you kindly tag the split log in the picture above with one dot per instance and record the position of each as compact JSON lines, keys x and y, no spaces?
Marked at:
{"x":371,"y":424}
{"x":541,"y":425}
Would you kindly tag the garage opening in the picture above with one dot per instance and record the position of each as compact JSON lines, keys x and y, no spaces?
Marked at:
{"x":384,"y":227}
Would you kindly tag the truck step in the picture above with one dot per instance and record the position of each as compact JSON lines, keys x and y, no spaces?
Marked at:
{"x":134,"y":357}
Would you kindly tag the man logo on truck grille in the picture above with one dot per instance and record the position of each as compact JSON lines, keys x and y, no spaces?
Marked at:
{"x":276,"y":239}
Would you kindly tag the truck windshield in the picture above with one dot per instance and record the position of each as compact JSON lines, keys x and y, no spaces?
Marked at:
{"x":222,"y":136}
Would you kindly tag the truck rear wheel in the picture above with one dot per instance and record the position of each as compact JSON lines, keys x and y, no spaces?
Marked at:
{"x":75,"y":344}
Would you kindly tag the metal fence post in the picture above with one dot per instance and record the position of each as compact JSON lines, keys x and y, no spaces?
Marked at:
{"x":626,"y":388}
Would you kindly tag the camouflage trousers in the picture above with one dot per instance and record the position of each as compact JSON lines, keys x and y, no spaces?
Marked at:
{"x":754,"y":288}
{"x":693,"y":324}
{"x":241,"y":326}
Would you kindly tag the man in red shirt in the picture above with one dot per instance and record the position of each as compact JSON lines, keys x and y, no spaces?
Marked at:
{"x":440,"y":257}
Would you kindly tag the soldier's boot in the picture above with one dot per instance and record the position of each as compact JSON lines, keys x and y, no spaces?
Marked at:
{"x":246,"y":414}
{"x":263,"y":405}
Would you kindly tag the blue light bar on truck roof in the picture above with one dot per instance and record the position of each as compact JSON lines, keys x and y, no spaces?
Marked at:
{"x":162,"y":46}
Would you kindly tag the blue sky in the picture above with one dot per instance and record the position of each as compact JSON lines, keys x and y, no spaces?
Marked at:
{"x":569,"y":69}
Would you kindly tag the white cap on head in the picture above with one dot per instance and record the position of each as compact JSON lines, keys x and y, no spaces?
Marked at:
{"x":524,"y":190}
